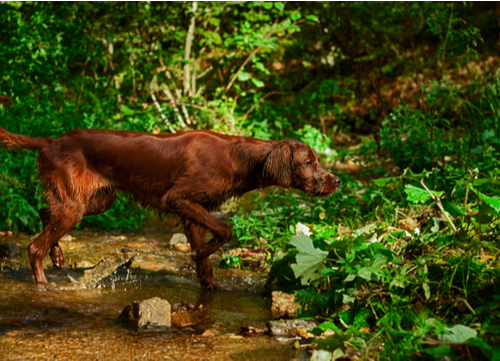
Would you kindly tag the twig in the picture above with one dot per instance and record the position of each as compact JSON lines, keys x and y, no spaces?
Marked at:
{"x":250,"y":57}
{"x":163,"y":116}
{"x":445,"y":41}
{"x":187,"y":49}
{"x":205,"y":72}
{"x":258,"y":101}
{"x":170,"y":96}
{"x":252,"y":54}
{"x":440,"y":205}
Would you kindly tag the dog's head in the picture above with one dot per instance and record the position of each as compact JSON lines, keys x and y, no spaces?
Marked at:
{"x":294,"y":164}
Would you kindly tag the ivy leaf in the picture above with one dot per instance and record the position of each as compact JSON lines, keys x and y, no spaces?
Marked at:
{"x":310,"y":260}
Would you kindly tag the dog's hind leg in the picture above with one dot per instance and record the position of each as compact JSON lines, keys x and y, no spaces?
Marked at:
{"x":60,"y":220}
{"x":56,"y":254}
{"x":196,"y":236}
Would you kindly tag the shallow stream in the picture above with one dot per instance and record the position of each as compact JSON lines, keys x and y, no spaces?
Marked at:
{"x":62,"y":321}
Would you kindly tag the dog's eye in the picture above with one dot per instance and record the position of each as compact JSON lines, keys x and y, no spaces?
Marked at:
{"x":309,"y":162}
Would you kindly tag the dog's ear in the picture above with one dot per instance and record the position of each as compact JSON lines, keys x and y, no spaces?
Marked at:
{"x":279,"y":163}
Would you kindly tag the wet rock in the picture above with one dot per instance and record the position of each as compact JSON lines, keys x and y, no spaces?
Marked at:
{"x":153,"y":312}
{"x":8,"y":250}
{"x":251,"y":331}
{"x":178,"y":238}
{"x":302,"y":332}
{"x":283,"y":305}
{"x":176,"y":307}
{"x":208,"y":333}
{"x":289,"y":327}
{"x":302,"y":228}
{"x":66,"y":238}
{"x":183,"y":247}
{"x":344,"y":230}
{"x":183,"y":319}
{"x":408,"y":224}
{"x":104,"y":269}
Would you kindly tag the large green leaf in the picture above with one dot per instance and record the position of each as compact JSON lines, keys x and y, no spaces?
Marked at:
{"x":458,"y":334}
{"x":418,"y":195}
{"x":493,"y":202}
{"x":310,"y":260}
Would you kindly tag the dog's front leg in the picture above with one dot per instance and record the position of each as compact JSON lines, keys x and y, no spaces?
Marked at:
{"x":197,"y":236}
{"x":193,"y":213}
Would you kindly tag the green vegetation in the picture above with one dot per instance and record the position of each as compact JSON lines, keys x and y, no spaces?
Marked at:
{"x":400,"y":99}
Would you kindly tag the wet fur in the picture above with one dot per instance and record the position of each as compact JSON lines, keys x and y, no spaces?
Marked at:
{"x":187,"y":174}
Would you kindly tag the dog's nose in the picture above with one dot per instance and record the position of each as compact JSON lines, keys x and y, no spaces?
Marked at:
{"x":336,"y":181}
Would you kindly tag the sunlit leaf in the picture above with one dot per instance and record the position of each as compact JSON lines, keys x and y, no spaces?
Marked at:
{"x":312,"y":18}
{"x":243,"y":76}
{"x":258,"y":83}
{"x":458,"y":334}
{"x":310,"y":260}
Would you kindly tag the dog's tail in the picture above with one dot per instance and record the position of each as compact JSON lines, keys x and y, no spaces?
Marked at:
{"x":6,"y":100}
{"x":10,"y":140}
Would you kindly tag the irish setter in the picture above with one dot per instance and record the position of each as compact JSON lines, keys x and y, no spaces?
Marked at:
{"x":187,"y":174}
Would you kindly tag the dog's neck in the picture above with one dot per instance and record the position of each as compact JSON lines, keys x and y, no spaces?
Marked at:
{"x":253,"y":154}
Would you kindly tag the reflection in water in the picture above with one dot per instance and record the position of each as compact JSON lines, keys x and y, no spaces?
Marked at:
{"x":62,"y":320}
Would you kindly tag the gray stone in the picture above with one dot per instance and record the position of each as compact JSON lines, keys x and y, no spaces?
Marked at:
{"x":283,"y":305}
{"x":8,"y":250}
{"x":289,"y":327}
{"x":178,"y":238}
{"x":104,"y":269}
{"x":153,"y":312}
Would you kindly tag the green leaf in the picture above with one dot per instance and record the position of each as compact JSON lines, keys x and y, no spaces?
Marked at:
{"x":379,"y":261}
{"x":369,"y":273}
{"x":310,"y":260}
{"x":357,"y":343}
{"x":296,"y":15}
{"x":279,"y":5}
{"x":127,"y":111}
{"x":364,"y":230}
{"x":24,"y":219}
{"x":493,"y":202}
{"x":452,"y":209}
{"x":350,"y":277}
{"x":268,"y":5}
{"x":257,"y":83}
{"x":435,"y":227}
{"x":458,"y":334}
{"x":427,"y":290}
{"x":312,"y":18}
{"x":382,"y":182}
{"x":243,"y":76}
{"x":488,"y":134}
{"x":418,"y":195}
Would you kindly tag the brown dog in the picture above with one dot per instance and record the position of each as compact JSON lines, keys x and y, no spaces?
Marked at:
{"x":187,"y":174}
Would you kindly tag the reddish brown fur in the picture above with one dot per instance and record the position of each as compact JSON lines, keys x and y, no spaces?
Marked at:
{"x":187,"y":174}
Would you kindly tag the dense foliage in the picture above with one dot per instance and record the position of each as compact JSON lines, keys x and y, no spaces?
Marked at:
{"x":400,"y":99}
